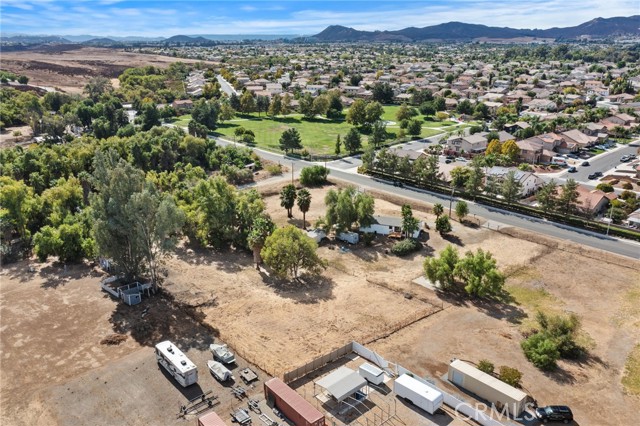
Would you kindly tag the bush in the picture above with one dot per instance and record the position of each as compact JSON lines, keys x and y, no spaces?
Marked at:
{"x":443,"y":226}
{"x":368,"y":238}
{"x":627,"y":185}
{"x":510,"y":376}
{"x":605,"y":187}
{"x":313,"y":175}
{"x":541,"y":351}
{"x":486,"y":366}
{"x":236,"y":175}
{"x":274,"y":169}
{"x":405,"y":247}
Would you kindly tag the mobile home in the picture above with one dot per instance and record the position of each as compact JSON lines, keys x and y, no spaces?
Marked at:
{"x":487,"y":387}
{"x":418,"y":393}
{"x":176,"y":363}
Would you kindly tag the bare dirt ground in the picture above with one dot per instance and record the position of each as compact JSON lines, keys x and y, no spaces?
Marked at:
{"x":53,"y":321}
{"x":70,"y":67}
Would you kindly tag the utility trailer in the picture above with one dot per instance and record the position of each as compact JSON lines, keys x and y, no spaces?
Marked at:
{"x":219,"y":371}
{"x":419,"y":394}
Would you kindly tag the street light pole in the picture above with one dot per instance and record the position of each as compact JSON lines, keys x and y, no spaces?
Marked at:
{"x":453,"y":189}
{"x":610,"y":220}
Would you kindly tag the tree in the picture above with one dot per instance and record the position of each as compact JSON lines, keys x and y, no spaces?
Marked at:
{"x":405,"y":112}
{"x":226,"y":112}
{"x":414,"y":127}
{"x":494,"y":147}
{"x":479,"y":273}
{"x":313,"y":175}
{"x":150,"y":116}
{"x":462,"y":210}
{"x":288,"y":250}
{"x":476,"y":177}
{"x":510,"y":150}
{"x":286,"y":104}
{"x":320,"y":105}
{"x":306,"y":106}
{"x":438,"y":209}
{"x":261,"y":228}
{"x":511,"y":376}
{"x":510,"y":188}
{"x":568,"y":199}
{"x":206,"y":113}
{"x":357,"y":114}
{"x":441,"y":270}
{"x":546,"y":196}
{"x":304,"y":202}
{"x":23,"y":79}
{"x":262,"y":104}
{"x":374,"y":111}
{"x":382,"y":92}
{"x":276,"y":106}
{"x":288,"y":198}
{"x":443,"y":225}
{"x":409,"y":223}
{"x":352,"y":141}
{"x":133,"y":223}
{"x":290,"y":140}
{"x":97,"y":86}
{"x":460,"y":176}
{"x":346,"y":207}
{"x":247,"y":102}
{"x":234,"y":102}
{"x":378,"y":133}
{"x":541,"y":351}
{"x":17,"y":203}
{"x":338,"y":145}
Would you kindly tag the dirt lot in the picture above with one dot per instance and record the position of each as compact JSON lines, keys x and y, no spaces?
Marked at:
{"x":278,"y":326}
{"x":69,"y":67}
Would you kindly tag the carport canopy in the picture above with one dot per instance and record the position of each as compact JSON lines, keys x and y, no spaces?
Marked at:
{"x":342,"y":383}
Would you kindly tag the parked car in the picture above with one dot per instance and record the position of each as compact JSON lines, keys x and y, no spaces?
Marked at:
{"x":447,"y":161}
{"x":625,"y":158}
{"x":575,"y":157}
{"x":554,"y":413}
{"x":585,"y":163}
{"x":462,"y":159}
{"x":572,"y":169}
{"x":450,"y":157}
{"x":598,"y":174}
{"x":397,"y":183}
{"x":592,"y":176}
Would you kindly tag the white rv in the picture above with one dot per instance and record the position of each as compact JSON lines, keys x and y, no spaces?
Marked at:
{"x":176,"y":363}
{"x":418,"y":393}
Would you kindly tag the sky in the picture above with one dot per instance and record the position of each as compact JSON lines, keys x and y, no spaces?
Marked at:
{"x":170,"y":17}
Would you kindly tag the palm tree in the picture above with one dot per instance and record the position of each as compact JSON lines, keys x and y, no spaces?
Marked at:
{"x":304,"y":202}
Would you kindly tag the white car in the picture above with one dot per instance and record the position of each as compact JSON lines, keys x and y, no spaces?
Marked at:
{"x":462,"y":159}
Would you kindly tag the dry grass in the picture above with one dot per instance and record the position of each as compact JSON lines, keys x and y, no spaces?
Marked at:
{"x":631,"y":378}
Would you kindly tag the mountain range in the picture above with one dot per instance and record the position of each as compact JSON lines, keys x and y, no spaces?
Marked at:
{"x":459,"y":31}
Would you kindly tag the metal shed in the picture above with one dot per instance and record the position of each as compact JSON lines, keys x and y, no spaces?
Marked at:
{"x":211,"y":419}
{"x":487,"y":387}
{"x":342,"y":383}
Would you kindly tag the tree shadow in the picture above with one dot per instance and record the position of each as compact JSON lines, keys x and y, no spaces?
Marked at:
{"x":453,"y":239}
{"x":500,"y":307}
{"x":307,"y":289}
{"x":59,"y":273}
{"x":161,"y":317}
{"x":228,"y":259}
{"x":287,"y":120}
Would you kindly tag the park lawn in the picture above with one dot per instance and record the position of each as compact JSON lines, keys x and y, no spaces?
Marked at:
{"x":318,"y":135}
{"x":182,"y":121}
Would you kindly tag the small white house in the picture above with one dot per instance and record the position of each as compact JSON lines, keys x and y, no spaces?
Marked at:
{"x":385,"y":225}
{"x":317,"y":234}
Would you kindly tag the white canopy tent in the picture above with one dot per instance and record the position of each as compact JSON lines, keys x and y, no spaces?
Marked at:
{"x":342,"y":383}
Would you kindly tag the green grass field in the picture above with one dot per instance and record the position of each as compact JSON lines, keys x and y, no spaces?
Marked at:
{"x":318,"y":135}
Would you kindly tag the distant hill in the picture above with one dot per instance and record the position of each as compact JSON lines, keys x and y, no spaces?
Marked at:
{"x":35,"y":39}
{"x":459,"y":31}
{"x":186,"y":40}
{"x":100,"y":41}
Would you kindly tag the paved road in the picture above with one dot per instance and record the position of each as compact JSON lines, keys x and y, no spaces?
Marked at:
{"x":602,"y":163}
{"x":611,"y":244}
{"x":225,"y":86}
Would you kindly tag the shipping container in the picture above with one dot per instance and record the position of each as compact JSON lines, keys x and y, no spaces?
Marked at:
{"x":419,"y":394}
{"x":487,"y":387}
{"x":291,"y":404}
{"x":211,"y":419}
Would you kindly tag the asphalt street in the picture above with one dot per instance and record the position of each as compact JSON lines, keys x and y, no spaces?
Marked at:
{"x":497,"y":216}
{"x":601,"y":163}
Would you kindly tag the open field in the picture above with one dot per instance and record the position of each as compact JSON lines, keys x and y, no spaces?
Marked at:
{"x":69,"y":67}
{"x":53,"y":354}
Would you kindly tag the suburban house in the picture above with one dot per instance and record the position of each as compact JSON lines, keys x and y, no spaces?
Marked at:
{"x":467,"y":144}
{"x":593,"y":202}
{"x":530,"y":151}
{"x":182,"y":105}
{"x":529,"y":181}
{"x":408,"y":153}
{"x":385,"y":225}
{"x":595,"y":129}
{"x":514,"y":127}
{"x":274,"y":88}
{"x":352,"y":90}
{"x":584,"y":141}
{"x":540,"y":105}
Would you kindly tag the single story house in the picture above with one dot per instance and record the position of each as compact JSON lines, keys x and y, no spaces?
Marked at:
{"x":385,"y":225}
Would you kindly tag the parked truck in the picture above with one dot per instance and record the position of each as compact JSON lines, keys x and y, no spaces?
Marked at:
{"x":419,"y":394}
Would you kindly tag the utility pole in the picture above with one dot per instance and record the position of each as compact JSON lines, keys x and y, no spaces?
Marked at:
{"x":453,"y":189}
{"x":292,"y":173}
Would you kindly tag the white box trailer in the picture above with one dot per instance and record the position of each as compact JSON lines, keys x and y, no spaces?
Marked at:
{"x":371,"y":373}
{"x":418,"y":393}
{"x":349,"y":237}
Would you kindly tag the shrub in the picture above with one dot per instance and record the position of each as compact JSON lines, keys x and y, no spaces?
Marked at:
{"x":313,"y":175}
{"x":486,"y":366}
{"x":443,"y":226}
{"x":405,"y":247}
{"x":19,"y":133}
{"x":627,"y":185}
{"x":605,"y":187}
{"x":274,"y":169}
{"x":510,"y":376}
{"x":368,"y":238}
{"x":236,"y":175}
{"x":541,"y":351}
